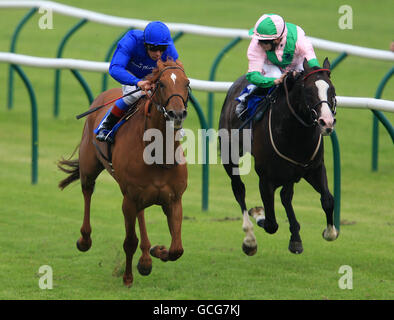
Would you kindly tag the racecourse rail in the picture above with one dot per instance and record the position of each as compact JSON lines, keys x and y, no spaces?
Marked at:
{"x":236,"y":35}
{"x":72,"y":64}
{"x":187,"y":28}
{"x":202,"y":85}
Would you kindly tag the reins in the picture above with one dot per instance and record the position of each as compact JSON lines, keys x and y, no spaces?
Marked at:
{"x":291,"y":108}
{"x":299,"y":120}
{"x":162,"y":108}
{"x":285,"y":157}
{"x":311,"y":109}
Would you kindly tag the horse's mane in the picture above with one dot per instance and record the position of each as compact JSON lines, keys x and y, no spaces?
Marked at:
{"x":297,"y":79}
{"x":292,"y":80}
{"x":160,"y":66}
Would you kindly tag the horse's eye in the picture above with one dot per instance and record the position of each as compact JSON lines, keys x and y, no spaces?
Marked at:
{"x":334,"y":101}
{"x":161,"y":85}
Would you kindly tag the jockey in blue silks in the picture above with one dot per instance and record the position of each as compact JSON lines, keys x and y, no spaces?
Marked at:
{"x":135,"y":57}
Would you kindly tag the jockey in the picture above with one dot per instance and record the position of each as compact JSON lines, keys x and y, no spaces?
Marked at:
{"x":276,"y":48}
{"x":135,"y":57}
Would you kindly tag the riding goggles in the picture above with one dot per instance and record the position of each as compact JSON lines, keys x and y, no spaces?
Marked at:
{"x":152,"y":47}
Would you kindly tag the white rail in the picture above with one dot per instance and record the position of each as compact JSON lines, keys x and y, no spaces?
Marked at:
{"x":189,"y":28}
{"x":211,"y":86}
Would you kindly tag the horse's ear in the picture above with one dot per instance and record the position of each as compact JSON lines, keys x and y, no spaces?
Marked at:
{"x":179,"y":63}
{"x":160,"y":64}
{"x":306,"y":65}
{"x":326,"y":64}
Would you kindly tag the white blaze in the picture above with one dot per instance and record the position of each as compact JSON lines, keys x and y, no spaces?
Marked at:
{"x":326,"y":114}
{"x":173,"y":77}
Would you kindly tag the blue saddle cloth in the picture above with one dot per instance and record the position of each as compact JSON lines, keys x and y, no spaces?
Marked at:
{"x":253,"y":103}
{"x":116,"y":127}
{"x":253,"y":100}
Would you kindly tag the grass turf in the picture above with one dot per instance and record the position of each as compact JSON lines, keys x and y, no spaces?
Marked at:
{"x":39,"y":224}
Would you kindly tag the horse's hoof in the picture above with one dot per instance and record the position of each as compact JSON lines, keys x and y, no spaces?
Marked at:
{"x":84,"y":247}
{"x":128,"y":280}
{"x":330,"y":233}
{"x":159,"y":252}
{"x":258,"y":214}
{"x":250,"y":251}
{"x":296,"y":247}
{"x":270,"y":228}
{"x":175,"y":255}
{"x":260,"y":223}
{"x":144,"y":270}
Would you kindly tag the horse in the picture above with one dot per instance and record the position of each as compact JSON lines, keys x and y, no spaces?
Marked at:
{"x":287,"y":145}
{"x":142,"y":184}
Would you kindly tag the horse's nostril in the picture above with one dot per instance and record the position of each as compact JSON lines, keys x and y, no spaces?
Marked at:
{"x":171,"y":114}
{"x":184,"y":114}
{"x":322,"y":123}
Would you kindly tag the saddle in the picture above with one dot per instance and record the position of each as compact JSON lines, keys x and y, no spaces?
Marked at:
{"x":131,"y":112}
{"x":257,"y":104}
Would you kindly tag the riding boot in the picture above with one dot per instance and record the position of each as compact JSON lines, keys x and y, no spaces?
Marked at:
{"x":105,"y":127}
{"x":241,"y":107}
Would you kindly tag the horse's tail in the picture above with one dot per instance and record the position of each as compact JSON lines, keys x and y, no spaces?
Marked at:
{"x":71,"y":167}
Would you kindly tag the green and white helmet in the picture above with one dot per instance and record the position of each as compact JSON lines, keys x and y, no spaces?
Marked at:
{"x":268,"y":27}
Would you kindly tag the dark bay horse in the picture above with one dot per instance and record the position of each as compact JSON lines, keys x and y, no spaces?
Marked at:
{"x":286,"y":146}
{"x":141,"y":184}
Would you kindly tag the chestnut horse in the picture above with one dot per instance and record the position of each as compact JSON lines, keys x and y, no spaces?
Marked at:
{"x":287,"y":146}
{"x":142,"y":184}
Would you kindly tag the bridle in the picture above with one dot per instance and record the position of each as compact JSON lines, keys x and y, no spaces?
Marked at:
{"x":311,"y":109}
{"x":299,"y":119}
{"x":163,"y":108}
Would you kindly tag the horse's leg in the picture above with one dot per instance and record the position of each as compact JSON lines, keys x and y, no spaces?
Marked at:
{"x":174,"y":220}
{"x":249,"y":244}
{"x":237,"y":185}
{"x":131,"y":241}
{"x":85,"y":242}
{"x":145,"y":262}
{"x":173,"y":212}
{"x":318,"y":180}
{"x":286,"y":195}
{"x":89,"y":168}
{"x":267,"y":192}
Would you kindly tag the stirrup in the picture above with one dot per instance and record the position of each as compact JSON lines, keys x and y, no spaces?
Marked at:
{"x":104,"y":135}
{"x":240,"y":109}
{"x":104,"y":130}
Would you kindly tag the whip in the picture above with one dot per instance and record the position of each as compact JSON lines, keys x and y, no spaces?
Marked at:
{"x":105,"y":104}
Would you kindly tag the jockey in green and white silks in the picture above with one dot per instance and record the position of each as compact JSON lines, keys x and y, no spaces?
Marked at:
{"x":276,"y":48}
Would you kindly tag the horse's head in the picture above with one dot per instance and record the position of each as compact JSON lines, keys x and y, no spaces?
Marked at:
{"x":319,"y":96}
{"x":171,"y":91}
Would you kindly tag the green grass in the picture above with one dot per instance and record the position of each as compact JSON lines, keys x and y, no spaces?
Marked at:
{"x":39,"y":224}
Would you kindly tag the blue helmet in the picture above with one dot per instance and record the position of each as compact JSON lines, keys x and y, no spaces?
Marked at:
{"x":157,"y":33}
